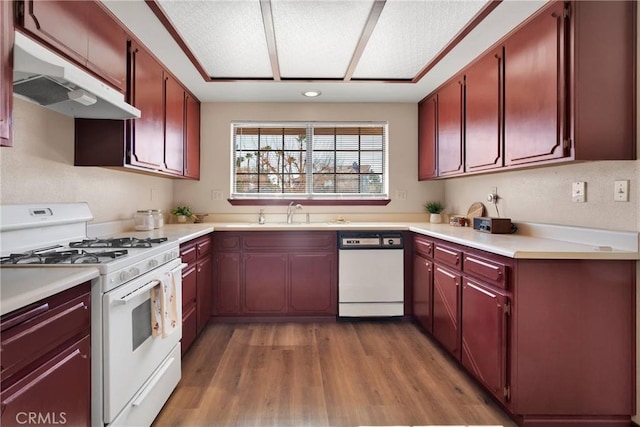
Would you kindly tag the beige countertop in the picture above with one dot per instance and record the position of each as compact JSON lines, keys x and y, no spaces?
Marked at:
{"x":21,"y":286}
{"x":558,"y":242}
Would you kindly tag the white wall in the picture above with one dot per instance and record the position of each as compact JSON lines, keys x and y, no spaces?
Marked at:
{"x":39,"y":168}
{"x":216,"y":155}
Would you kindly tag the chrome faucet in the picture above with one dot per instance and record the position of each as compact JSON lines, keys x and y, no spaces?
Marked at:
{"x":291,"y":210}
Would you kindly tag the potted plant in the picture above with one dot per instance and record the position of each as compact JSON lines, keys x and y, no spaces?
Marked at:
{"x":182,"y":213}
{"x":434,"y":208}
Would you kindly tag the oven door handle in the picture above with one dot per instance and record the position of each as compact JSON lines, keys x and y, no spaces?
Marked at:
{"x":142,"y":289}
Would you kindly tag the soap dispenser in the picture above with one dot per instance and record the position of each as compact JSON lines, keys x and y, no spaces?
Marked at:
{"x":261,"y":217}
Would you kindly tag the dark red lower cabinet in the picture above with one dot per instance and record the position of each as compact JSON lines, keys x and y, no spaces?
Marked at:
{"x":56,"y":392}
{"x":484,"y":335}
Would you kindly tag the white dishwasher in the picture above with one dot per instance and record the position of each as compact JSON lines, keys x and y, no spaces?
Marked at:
{"x":370,"y":274}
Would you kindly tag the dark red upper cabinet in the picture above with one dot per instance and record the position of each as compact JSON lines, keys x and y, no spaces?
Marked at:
{"x":427,"y":153}
{"x":534,"y":89}
{"x":83,"y":32}
{"x":192,"y":138}
{"x":449,"y":131}
{"x":602,"y":86}
{"x":483,"y":113}
{"x":174,"y":126}
{"x":6,"y":72}
{"x":107,"y":47}
{"x":146,"y":93}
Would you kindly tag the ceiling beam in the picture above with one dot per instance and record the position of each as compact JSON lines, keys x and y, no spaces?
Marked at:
{"x":168,"y":25}
{"x":369,"y":26}
{"x":270,"y":35}
{"x":475,"y":21}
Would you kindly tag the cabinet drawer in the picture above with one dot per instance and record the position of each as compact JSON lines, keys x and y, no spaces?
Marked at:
{"x":226,"y":243}
{"x":423,"y":246}
{"x":188,"y":253}
{"x":307,"y":240}
{"x":490,"y":271}
{"x":203,"y":246}
{"x":42,"y":328}
{"x":448,"y":255}
{"x":189,"y":281}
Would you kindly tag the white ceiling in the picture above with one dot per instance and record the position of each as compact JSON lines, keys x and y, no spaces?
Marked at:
{"x":317,"y":48}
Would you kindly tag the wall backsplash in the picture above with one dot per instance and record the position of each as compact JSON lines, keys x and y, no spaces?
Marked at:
{"x":39,"y":168}
{"x":544,"y":194}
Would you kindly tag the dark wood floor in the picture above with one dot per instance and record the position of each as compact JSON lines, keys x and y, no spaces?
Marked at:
{"x":323,"y":374}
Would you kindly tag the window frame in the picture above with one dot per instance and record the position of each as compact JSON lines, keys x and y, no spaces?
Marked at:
{"x":312,"y":198}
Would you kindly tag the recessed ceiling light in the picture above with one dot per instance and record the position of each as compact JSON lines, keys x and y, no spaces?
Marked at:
{"x":312,"y":93}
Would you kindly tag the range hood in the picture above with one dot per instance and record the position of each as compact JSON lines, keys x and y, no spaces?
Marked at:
{"x":46,"y":78}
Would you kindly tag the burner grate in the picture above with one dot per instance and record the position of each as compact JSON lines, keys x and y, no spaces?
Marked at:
{"x":62,"y":257}
{"x":123,"y":242}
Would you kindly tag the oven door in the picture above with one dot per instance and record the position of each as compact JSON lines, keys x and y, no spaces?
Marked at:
{"x":131,"y":353}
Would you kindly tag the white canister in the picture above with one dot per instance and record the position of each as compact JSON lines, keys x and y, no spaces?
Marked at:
{"x":143,"y":220}
{"x":158,"y":218}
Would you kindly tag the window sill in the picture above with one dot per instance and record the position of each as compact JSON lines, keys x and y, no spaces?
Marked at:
{"x":309,"y":202}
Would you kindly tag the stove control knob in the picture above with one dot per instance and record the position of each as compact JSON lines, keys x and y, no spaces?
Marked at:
{"x":153,"y":263}
{"x":124,"y":276}
{"x":134,"y":271}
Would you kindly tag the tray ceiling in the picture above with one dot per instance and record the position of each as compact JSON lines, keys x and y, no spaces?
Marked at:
{"x":350,"y":50}
{"x":318,"y":40}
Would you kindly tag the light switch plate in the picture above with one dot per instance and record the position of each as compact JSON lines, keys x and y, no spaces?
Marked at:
{"x":579,"y":192}
{"x":621,"y":191}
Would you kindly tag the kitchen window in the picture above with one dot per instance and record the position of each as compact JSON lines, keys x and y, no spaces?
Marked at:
{"x":339,"y":162}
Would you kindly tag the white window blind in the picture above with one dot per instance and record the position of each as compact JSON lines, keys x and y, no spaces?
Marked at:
{"x":310,"y":160}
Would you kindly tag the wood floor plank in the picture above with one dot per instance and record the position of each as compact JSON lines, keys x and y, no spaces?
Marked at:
{"x":324,"y":374}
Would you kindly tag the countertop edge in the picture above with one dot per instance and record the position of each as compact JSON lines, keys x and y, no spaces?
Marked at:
{"x":28,"y":293}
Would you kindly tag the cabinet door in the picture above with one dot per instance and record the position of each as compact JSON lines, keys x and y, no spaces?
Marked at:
{"x":265,"y":283}
{"x":61,"y":24}
{"x":192,"y":138}
{"x":484,"y":335}
{"x":427,"y":167}
{"x":312,"y":287}
{"x":107,"y":47}
{"x":58,"y":390}
{"x":483,"y":121}
{"x":226,"y":282}
{"x":204,"y":291}
{"x":450,"y":148}
{"x":423,"y":291}
{"x":173,"y":126}
{"x":446,"y":308}
{"x":189,"y":328}
{"x":6,"y":73}
{"x":147,"y":141}
{"x":189,"y":286}
{"x":534,"y":90}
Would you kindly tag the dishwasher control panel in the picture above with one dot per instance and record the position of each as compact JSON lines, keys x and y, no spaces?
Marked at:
{"x":370,"y":240}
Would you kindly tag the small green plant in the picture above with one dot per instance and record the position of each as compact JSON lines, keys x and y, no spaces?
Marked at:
{"x":182,"y":211}
{"x":434,"y":207}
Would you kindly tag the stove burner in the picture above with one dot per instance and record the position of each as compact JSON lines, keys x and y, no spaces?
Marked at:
{"x":61,"y":257}
{"x":123,"y":242}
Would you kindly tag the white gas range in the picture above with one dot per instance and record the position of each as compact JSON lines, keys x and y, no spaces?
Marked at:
{"x":133,"y":373}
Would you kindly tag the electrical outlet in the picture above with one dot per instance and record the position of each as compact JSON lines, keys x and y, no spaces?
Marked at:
{"x":151,"y":194}
{"x":579,"y":192}
{"x":401,"y":194}
{"x":621,"y":191}
{"x":216,"y":195}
